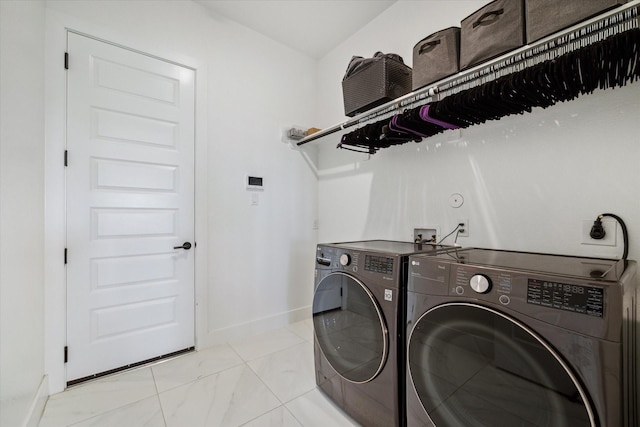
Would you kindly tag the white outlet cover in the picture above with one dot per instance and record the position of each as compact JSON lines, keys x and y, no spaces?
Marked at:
{"x":466,"y":228}
{"x":610,"y":229}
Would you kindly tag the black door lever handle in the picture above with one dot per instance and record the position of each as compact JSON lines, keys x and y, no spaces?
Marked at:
{"x":185,"y":245}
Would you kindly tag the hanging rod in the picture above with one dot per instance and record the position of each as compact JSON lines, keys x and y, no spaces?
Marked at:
{"x":621,"y":19}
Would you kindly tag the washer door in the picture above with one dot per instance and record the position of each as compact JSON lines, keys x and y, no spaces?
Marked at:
{"x":350,"y":327}
{"x":473,"y":366}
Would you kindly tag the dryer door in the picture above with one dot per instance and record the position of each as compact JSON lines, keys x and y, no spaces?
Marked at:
{"x":349,"y":327}
{"x":470,"y":365}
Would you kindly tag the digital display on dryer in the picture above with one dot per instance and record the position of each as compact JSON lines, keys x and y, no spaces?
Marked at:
{"x":378,"y":264}
{"x":576,"y":298}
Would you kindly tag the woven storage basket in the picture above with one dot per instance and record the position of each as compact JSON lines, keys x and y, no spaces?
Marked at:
{"x":381,"y":81}
{"x":436,"y":56}
{"x":546,"y":17}
{"x":491,"y":31}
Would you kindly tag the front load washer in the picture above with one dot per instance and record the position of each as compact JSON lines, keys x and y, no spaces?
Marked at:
{"x":500,"y":338}
{"x":358,"y":313}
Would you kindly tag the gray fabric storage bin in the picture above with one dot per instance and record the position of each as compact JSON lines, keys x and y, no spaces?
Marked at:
{"x":436,"y":56}
{"x":383,"y":80}
{"x":546,"y":17}
{"x":491,"y":31}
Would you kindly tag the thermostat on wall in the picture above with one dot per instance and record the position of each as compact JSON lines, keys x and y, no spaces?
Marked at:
{"x":255,"y":183}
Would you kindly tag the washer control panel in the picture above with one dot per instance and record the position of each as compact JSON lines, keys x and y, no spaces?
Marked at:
{"x":489,"y":285}
{"x":576,"y":294}
{"x":569,"y":297}
{"x":480,"y":283}
{"x":497,"y":287}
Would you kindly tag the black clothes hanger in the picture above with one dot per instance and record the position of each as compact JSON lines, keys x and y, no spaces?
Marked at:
{"x":374,"y":136}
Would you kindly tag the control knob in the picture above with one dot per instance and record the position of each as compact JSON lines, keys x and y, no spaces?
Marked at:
{"x":480,"y":283}
{"x":345,"y":259}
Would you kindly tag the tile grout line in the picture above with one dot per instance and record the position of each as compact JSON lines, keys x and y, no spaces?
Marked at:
{"x":198,"y":378}
{"x":155,"y":383}
{"x":271,"y":352}
{"x":270,"y":391}
{"x":292,"y":413}
{"x":282,"y":405}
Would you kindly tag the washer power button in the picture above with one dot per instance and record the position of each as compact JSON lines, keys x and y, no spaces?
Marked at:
{"x":480,"y":283}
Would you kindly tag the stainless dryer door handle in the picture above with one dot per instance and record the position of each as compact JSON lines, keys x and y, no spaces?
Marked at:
{"x":186,"y":246}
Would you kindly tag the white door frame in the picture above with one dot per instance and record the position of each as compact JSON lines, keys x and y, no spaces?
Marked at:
{"x":55,"y":106}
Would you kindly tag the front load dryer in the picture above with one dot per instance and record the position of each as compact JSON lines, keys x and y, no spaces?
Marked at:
{"x":500,"y":338}
{"x":358,"y":313}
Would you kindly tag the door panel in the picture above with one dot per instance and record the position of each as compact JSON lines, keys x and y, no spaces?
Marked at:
{"x":130,"y":201}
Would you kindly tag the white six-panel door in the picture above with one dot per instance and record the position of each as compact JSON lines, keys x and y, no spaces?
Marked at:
{"x":130,"y":201}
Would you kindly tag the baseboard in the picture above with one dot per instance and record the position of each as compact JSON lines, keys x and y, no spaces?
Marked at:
{"x":37,"y":406}
{"x":254,"y":327}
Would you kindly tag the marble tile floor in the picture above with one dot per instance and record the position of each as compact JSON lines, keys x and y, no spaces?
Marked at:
{"x":262,"y":381}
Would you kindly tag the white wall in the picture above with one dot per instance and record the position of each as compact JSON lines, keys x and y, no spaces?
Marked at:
{"x":21,"y":207}
{"x":254,"y":263}
{"x":528,"y":181}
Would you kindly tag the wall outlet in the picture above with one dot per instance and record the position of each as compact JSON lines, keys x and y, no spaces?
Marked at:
{"x":463,"y":231}
{"x":429,"y":235}
{"x":610,"y":229}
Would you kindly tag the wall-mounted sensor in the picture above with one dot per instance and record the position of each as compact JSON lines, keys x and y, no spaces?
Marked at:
{"x":255,"y":183}
{"x":456,"y":200}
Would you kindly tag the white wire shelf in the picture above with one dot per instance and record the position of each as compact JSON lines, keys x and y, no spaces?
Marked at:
{"x":594,"y":30}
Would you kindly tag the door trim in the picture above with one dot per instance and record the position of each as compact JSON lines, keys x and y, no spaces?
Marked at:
{"x":140,"y":52}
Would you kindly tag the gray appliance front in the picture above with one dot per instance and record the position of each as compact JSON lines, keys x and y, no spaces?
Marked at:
{"x":356,"y":310}
{"x":489,"y":346}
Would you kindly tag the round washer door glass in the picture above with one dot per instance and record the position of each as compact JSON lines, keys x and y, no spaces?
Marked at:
{"x":349,"y":327}
{"x":473,"y":366}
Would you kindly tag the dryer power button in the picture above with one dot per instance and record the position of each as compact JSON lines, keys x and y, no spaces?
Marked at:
{"x":479,"y":283}
{"x":345,"y":259}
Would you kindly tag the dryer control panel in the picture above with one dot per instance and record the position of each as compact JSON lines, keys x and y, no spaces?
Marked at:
{"x":378,"y":264}
{"x":365,"y":265}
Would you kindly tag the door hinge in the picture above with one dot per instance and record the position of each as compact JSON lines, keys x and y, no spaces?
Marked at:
{"x":65,"y":256}
{"x":66,"y":60}
{"x":66,"y":354}
{"x":66,"y":158}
